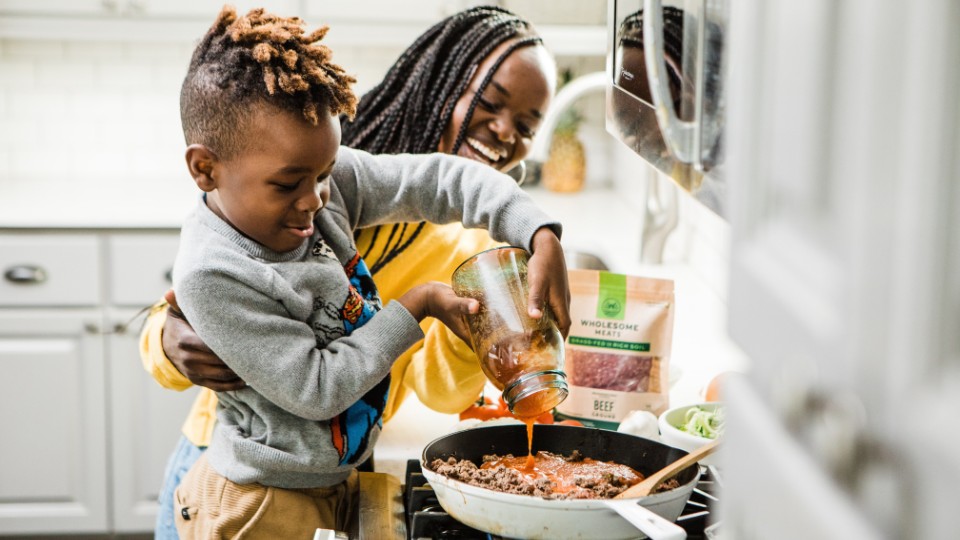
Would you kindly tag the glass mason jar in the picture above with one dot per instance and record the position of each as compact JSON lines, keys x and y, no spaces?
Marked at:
{"x":522,"y":356}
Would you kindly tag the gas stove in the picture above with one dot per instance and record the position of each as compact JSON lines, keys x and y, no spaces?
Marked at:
{"x":425,"y":519}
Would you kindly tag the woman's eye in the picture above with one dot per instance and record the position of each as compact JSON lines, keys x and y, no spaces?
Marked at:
{"x":286,"y":187}
{"x":488,"y":106}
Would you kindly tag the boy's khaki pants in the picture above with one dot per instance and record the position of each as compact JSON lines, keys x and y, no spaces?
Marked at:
{"x":207,"y":505}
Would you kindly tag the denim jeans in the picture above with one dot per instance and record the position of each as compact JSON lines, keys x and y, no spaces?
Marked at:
{"x":183,"y":457}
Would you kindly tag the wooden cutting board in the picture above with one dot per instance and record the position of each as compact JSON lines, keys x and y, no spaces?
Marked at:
{"x":380,"y":508}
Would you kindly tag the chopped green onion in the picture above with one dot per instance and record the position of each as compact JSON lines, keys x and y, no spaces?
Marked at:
{"x":703,"y":423}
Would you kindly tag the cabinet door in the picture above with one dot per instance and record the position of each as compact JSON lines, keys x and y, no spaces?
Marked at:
{"x":140,"y":267}
{"x":41,"y":269}
{"x":145,"y":422}
{"x":845,"y":259}
{"x":53,"y":454}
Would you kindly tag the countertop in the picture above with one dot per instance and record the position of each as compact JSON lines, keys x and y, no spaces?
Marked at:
{"x":105,"y":205}
{"x":138,"y":205}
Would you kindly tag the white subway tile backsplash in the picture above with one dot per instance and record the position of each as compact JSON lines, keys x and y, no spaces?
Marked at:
{"x":5,"y":176}
{"x":104,"y":163}
{"x":87,"y":51}
{"x":168,"y":77}
{"x":33,"y":49}
{"x":64,"y":134}
{"x":152,"y":105}
{"x":17,"y":73}
{"x":36,"y":163}
{"x":63,"y":74}
{"x":157,"y":52}
{"x":151,"y":162}
{"x":97,"y":105}
{"x":38,"y":106}
{"x":124,"y":75}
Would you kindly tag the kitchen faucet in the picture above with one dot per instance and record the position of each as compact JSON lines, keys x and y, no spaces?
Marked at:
{"x":661,"y":212}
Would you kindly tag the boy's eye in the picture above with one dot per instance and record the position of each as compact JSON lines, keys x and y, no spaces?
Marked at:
{"x":286,"y":187}
{"x":525,"y":131}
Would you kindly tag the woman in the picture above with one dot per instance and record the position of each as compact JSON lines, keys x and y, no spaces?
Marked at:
{"x":477,"y":85}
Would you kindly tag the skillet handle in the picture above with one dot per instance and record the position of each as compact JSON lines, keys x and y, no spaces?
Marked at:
{"x":650,"y":523}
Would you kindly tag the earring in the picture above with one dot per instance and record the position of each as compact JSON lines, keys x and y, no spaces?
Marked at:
{"x":519,"y":173}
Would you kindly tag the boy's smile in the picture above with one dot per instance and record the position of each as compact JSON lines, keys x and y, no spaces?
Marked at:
{"x":272,"y":189}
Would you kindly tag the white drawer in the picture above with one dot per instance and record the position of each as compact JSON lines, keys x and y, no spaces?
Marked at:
{"x":49,"y":270}
{"x":140,"y":266}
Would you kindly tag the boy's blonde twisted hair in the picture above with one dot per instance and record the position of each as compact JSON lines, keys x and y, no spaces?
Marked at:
{"x":258,"y":58}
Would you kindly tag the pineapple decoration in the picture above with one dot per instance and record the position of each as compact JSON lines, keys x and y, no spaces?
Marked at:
{"x":566,"y":167}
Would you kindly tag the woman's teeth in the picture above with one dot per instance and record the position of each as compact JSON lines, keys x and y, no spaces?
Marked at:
{"x":484,"y":150}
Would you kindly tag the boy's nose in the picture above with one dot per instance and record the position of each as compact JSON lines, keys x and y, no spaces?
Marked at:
{"x":311,"y":202}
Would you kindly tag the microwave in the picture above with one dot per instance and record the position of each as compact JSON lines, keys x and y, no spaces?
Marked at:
{"x":665,"y":98}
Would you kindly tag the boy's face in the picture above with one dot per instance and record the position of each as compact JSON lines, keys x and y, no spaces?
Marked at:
{"x":509,"y":110}
{"x":271,"y":191}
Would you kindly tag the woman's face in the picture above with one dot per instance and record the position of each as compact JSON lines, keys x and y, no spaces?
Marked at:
{"x":509,"y":110}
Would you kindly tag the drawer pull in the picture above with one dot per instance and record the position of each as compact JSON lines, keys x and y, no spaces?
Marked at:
{"x":168,"y":275}
{"x":25,"y":274}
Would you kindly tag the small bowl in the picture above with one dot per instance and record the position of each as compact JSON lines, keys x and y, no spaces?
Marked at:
{"x":672,"y":435}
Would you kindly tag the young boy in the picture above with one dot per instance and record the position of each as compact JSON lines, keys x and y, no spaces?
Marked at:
{"x":269,"y":276}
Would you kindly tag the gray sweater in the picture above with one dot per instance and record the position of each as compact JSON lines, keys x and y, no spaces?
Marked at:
{"x":299,"y":326}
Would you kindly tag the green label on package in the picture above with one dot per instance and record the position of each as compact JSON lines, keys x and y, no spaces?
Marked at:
{"x":612,"y":300}
{"x":609,"y":344}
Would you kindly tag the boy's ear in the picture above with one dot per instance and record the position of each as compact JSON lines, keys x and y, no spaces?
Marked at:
{"x":200,"y":161}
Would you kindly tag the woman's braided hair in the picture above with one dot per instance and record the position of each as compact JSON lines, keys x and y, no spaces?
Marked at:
{"x":410,"y":109}
{"x":258,"y":58}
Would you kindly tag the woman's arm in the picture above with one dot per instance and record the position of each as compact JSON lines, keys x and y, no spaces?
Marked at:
{"x":174,"y":355}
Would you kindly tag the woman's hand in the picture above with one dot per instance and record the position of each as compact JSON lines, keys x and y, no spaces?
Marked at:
{"x":435,"y":299}
{"x":547,"y":278}
{"x":191,"y":356}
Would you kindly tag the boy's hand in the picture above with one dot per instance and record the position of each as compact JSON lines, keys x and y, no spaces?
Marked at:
{"x":547,"y":278}
{"x":191,"y":356}
{"x":438,"y":300}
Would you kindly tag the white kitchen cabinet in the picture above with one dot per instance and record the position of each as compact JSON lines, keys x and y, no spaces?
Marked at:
{"x":87,"y":431}
{"x":844,"y":290}
{"x":145,"y":422}
{"x":53,"y":456}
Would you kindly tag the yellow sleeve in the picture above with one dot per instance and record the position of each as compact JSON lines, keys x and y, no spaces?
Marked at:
{"x":444,"y":372}
{"x":151,"y":351}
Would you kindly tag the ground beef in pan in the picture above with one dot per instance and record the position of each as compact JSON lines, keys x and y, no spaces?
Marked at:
{"x":500,"y":473}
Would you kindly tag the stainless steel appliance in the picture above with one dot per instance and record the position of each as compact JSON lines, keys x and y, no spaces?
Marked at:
{"x":665,"y":100}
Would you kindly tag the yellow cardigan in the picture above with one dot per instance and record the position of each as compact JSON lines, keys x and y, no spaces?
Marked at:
{"x":441,"y":369}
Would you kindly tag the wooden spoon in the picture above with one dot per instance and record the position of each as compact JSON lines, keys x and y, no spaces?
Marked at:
{"x":651,"y":482}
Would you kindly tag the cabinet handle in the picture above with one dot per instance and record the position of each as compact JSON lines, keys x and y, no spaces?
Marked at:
{"x":168,"y":275}
{"x":25,"y":274}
